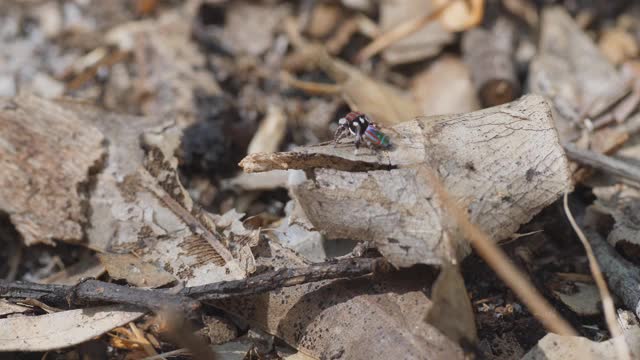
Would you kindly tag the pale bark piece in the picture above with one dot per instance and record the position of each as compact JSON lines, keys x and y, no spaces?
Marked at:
{"x":39,"y":138}
{"x":135,"y":271}
{"x":357,"y":319}
{"x":61,"y":329}
{"x":504,"y":164}
{"x":445,"y":87}
{"x":424,"y":43}
{"x":571,"y":71}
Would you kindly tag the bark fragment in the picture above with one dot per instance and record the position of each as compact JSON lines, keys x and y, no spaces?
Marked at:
{"x":504,"y":164}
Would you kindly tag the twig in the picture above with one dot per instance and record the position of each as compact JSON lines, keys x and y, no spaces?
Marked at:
{"x":94,"y":291}
{"x":313,"y":88}
{"x":622,"y":275}
{"x":399,"y":32}
{"x":607,"y":302}
{"x":604,"y":163}
{"x":499,"y":262}
{"x":272,"y":280}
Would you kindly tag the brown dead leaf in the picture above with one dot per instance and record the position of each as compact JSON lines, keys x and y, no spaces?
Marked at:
{"x":135,"y":271}
{"x":503,"y":163}
{"x":354,"y":319}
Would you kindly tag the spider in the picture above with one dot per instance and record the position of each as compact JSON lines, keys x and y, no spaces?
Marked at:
{"x":361,"y":127}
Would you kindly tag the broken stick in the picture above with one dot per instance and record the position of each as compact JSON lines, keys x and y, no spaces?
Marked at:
{"x":95,"y":291}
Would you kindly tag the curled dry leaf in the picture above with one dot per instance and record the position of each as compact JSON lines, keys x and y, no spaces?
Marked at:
{"x":504,"y":164}
{"x":357,"y":319}
{"x":61,"y":329}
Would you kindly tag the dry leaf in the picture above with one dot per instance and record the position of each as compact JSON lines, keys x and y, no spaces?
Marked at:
{"x":572,"y":73}
{"x":451,"y":312}
{"x":135,"y":271}
{"x":504,"y":164}
{"x":61,"y":329}
{"x":582,"y":299}
{"x":136,"y":201}
{"x":354,"y":319}
{"x":445,"y":87}
{"x":422,"y":44}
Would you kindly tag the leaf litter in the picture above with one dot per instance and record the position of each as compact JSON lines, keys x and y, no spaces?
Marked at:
{"x":148,"y":180}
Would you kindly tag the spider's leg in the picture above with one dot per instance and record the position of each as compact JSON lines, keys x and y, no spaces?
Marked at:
{"x":338,"y":135}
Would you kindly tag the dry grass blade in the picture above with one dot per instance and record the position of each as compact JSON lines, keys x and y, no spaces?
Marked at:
{"x":499,"y":262}
{"x":607,"y":302}
{"x":401,"y":31}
